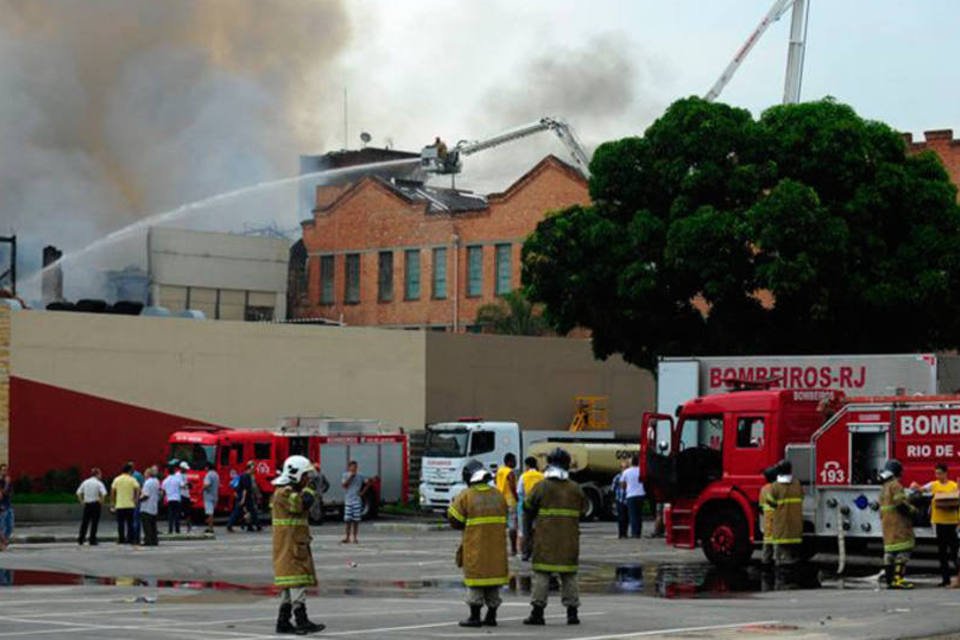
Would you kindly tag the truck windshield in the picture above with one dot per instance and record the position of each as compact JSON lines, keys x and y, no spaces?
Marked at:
{"x":446,"y":443}
{"x":196,"y":455}
{"x":702,"y":431}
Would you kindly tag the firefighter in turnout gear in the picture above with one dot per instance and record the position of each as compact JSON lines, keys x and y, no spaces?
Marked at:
{"x":767,"y":508}
{"x":786,"y":496}
{"x":552,"y":514}
{"x":293,"y":568}
{"x":896,"y":516}
{"x":481,"y":513}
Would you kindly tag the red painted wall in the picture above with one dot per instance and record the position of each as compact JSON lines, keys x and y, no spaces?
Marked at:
{"x":54,"y":428}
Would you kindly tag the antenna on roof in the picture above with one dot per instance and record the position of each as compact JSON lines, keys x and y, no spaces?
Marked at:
{"x":345,"y":119}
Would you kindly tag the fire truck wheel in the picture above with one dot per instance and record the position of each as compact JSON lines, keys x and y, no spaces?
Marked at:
{"x":594,"y":504}
{"x":725,"y":539}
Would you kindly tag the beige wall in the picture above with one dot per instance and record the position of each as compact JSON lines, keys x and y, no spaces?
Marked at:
{"x":4,"y":385}
{"x":250,"y":374}
{"x":530,"y":380}
{"x":234,"y":373}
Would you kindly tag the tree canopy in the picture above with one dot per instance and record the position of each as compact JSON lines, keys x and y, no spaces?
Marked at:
{"x":512,"y":315}
{"x":808,"y":230}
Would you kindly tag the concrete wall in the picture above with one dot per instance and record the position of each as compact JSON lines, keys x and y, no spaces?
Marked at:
{"x":4,"y":385}
{"x":530,"y":380}
{"x":105,"y":388}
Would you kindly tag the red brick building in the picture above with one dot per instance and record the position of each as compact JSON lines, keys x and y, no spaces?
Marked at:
{"x":941,"y":142}
{"x":397,"y":253}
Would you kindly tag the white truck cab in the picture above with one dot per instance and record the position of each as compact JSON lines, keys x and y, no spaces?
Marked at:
{"x":449,"y":445}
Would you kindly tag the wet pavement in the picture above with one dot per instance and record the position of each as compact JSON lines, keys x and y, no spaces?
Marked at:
{"x":400,"y":584}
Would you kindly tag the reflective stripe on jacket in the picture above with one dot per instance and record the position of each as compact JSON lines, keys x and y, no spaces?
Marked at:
{"x":897,"y":525}
{"x":482,"y":514}
{"x":292,"y":558}
{"x":555,"y":507}
{"x":787,"y":521}
{"x":767,"y":507}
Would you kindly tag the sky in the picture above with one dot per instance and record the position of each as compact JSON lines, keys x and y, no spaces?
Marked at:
{"x":120,"y":109}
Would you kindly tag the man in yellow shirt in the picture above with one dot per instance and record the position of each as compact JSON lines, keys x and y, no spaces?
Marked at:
{"x":944,"y":516}
{"x":528,"y":480}
{"x":125,"y":494}
{"x":507,"y":486}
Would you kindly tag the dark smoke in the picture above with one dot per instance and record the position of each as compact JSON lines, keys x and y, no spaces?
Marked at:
{"x":113,"y":109}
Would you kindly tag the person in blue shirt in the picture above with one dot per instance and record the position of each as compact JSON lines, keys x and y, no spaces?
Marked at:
{"x":620,"y":500}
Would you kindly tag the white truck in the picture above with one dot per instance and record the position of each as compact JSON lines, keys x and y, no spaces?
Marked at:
{"x":449,"y":445}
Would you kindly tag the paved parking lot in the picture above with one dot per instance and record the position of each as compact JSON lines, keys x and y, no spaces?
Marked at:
{"x":400,"y":583}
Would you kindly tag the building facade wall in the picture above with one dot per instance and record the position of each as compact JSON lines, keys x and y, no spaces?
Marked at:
{"x":371,"y":218}
{"x":531,"y":380}
{"x":942,"y":143}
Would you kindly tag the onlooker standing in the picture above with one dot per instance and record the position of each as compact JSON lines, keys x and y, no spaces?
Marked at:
{"x":136,"y":510}
{"x":528,"y":480}
{"x":245,"y":500}
{"x":944,"y":516}
{"x":211,"y":492}
{"x":150,"y":506}
{"x":6,"y":507}
{"x":91,"y":493}
{"x":620,"y":500}
{"x":636,"y":495}
{"x":172,"y":488}
{"x":354,"y":488}
{"x":507,"y":486}
{"x":321,"y":485}
{"x":186,"y":501}
{"x":125,"y":493}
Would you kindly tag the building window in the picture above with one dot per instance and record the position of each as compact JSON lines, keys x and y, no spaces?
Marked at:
{"x":326,"y":279}
{"x":475,"y":271}
{"x":411,"y":271}
{"x":385,"y":277}
{"x":351,"y":289}
{"x":504,"y":273}
{"x":440,"y":273}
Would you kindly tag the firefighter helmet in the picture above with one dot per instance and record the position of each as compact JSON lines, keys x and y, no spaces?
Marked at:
{"x":294,"y":468}
{"x":474,"y":472}
{"x":785,"y":468}
{"x":770,"y":474}
{"x":891,"y":469}
{"x":559,"y":458}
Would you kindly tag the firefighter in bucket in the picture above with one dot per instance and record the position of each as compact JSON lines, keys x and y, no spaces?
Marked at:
{"x":293,"y":568}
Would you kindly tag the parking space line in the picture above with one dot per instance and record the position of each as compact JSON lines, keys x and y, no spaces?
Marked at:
{"x":664,"y":632}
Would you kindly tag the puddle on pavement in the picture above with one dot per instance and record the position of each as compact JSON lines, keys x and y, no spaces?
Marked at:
{"x":658,"y":580}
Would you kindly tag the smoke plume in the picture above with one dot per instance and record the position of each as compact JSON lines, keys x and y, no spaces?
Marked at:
{"x":113,"y":109}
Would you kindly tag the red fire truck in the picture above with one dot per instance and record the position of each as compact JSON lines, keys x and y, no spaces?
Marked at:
{"x":709,"y":472}
{"x":382,"y":456}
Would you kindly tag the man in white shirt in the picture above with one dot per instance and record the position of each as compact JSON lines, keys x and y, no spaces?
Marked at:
{"x":636,"y":494}
{"x":90,"y":493}
{"x":149,"y":506}
{"x":172,"y":489}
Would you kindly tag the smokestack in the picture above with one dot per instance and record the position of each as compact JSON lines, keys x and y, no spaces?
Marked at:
{"x":51,"y":286}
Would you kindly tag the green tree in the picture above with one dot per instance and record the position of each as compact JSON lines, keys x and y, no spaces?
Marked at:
{"x":712,"y":213}
{"x":512,"y":315}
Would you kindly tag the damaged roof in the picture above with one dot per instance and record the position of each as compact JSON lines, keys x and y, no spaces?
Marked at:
{"x":438,"y":200}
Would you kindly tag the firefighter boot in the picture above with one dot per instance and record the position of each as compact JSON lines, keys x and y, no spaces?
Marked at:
{"x":490,"y":620}
{"x":474,"y":619}
{"x":899,"y":581}
{"x":303,"y":624}
{"x":536,"y":616}
{"x":888,"y":575}
{"x":283,"y":619}
{"x":572,"y":617}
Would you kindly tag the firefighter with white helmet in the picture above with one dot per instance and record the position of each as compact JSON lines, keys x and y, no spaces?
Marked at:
{"x":481,"y":512}
{"x":896,"y":518}
{"x":554,"y":508}
{"x":293,"y":567}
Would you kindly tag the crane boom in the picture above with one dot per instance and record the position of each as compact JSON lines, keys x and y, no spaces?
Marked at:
{"x":795,"y":58}
{"x":449,"y":162}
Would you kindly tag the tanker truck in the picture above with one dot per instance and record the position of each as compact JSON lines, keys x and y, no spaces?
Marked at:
{"x":449,"y":445}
